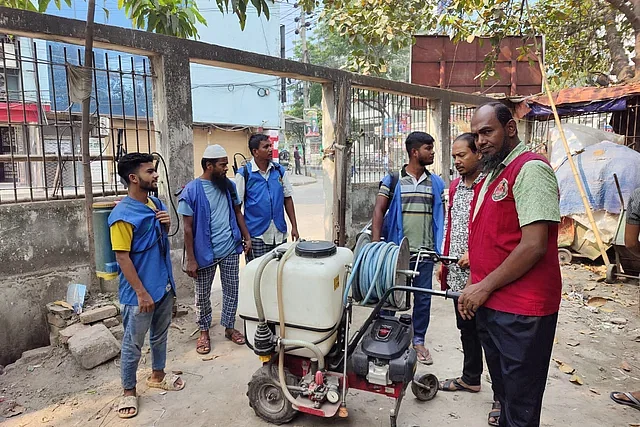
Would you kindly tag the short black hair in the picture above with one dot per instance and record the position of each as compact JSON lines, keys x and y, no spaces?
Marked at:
{"x":130,"y":163}
{"x":503,"y":113}
{"x":415,"y":140}
{"x":204,"y":162}
{"x":470,"y":139}
{"x":255,"y":140}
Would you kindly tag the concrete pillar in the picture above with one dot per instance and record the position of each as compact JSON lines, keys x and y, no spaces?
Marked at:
{"x":336,"y":110}
{"x":173,"y":120}
{"x":442,"y":118}
{"x":328,"y":163}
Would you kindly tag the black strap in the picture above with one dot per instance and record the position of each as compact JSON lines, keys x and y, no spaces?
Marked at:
{"x":395,"y":177}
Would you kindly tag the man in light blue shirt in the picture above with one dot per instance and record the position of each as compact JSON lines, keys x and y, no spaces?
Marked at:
{"x":214,"y":234}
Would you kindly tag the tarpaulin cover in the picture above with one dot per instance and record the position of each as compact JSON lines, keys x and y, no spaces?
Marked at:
{"x":596,"y":166}
{"x":578,"y":137}
{"x":539,"y":110}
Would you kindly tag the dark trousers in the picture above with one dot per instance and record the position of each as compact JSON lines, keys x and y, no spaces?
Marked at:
{"x":421,"y":301}
{"x":518,"y":350}
{"x":298,"y":171}
{"x":471,"y":347}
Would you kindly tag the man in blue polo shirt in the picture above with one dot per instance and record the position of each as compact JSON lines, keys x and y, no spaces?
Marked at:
{"x":264,"y":188}
{"x":213,"y":235}
{"x":139,"y":225}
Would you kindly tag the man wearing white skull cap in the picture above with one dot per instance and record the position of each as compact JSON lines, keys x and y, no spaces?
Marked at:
{"x":214,"y":234}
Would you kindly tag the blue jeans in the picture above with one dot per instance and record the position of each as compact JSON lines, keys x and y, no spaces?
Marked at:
{"x":422,"y":302}
{"x":136,"y":325}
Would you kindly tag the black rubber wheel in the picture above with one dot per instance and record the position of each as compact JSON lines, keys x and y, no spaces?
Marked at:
{"x":266,"y":397}
{"x":612,"y":271}
{"x":564,"y":256}
{"x":425,"y":388}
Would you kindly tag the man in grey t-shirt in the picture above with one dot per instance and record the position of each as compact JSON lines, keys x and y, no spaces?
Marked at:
{"x":631,"y":234}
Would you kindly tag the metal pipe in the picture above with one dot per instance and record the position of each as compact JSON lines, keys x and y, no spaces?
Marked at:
{"x":344,"y":364}
{"x":314,"y":348}
{"x":281,"y":375}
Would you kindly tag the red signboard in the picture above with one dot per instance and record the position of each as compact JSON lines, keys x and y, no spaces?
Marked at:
{"x":19,"y":113}
{"x":437,"y":61}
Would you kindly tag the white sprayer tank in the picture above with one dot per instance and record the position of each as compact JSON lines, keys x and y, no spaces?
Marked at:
{"x":313,"y":283}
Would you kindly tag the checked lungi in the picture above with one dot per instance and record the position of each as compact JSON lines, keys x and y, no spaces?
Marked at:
{"x":229,"y":274}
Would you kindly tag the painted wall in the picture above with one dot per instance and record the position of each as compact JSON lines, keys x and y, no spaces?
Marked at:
{"x":233,"y":97}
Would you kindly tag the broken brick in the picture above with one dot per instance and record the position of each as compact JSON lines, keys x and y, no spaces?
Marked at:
{"x":98,"y":314}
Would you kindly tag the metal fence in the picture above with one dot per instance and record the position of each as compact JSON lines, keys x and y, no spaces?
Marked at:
{"x":624,"y":123}
{"x":380,"y":123}
{"x":40,"y":128}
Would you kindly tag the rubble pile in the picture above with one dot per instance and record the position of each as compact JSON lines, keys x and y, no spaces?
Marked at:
{"x":92,"y":337}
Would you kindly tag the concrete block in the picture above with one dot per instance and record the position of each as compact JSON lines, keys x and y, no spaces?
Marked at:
{"x":98,"y":314}
{"x":111,"y":322}
{"x":70,"y":331}
{"x":117,"y":332}
{"x":35,"y":355}
{"x":94,"y":346}
{"x":64,"y":312}
{"x":55,"y":320}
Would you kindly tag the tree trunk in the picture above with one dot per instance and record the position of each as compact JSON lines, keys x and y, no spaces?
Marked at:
{"x":86,"y":159}
{"x":619,"y":56}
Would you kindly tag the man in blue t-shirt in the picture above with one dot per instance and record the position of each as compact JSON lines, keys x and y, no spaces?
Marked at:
{"x":214,"y":234}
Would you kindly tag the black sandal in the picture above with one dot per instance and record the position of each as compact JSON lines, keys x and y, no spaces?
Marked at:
{"x":446,"y":386}
{"x":495,"y":414}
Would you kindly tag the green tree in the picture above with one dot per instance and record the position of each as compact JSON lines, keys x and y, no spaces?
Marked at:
{"x":583,"y":37}
{"x":330,"y":49}
{"x":170,"y":17}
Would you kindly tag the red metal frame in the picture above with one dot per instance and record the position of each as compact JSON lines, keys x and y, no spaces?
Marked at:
{"x":300,"y":366}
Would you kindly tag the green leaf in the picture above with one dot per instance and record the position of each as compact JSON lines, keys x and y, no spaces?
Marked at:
{"x":43,"y":4}
{"x":106,"y":13}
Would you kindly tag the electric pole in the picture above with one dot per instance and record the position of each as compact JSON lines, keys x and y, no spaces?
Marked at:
{"x":305,"y":55}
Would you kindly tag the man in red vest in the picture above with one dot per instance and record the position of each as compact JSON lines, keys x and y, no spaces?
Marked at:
{"x":515,"y":285}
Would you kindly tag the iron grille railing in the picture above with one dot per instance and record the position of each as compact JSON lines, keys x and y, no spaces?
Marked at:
{"x":40,"y":128}
{"x":380,"y":124}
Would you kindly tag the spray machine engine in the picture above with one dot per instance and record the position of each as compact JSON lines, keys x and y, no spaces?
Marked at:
{"x":385,"y":355}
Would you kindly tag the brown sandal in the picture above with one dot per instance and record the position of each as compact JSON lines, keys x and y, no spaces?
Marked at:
{"x":203,"y":345}
{"x":235,"y":336}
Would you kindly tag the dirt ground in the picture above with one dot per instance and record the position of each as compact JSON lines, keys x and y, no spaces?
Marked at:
{"x":601,"y":342}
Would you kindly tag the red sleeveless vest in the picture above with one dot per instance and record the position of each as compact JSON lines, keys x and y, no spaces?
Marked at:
{"x":495,"y":233}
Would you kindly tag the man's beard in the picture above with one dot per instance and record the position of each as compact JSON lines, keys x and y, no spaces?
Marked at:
{"x":148,"y":185}
{"x":220,"y":182}
{"x":492,"y":161}
{"x":425,"y":163}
